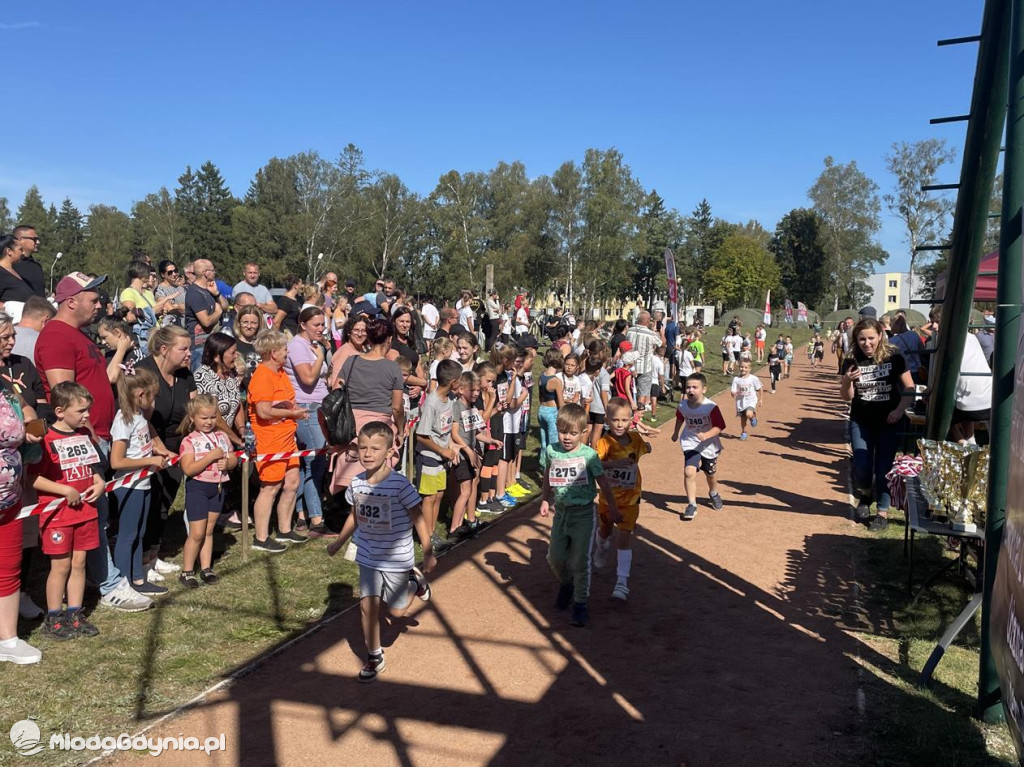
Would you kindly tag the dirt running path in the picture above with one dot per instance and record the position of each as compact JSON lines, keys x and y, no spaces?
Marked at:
{"x":732,"y":651}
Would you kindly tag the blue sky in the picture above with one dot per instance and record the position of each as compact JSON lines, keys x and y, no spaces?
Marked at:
{"x":738,"y":102}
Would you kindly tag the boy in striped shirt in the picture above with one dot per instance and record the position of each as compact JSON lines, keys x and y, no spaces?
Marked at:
{"x":385,"y":508}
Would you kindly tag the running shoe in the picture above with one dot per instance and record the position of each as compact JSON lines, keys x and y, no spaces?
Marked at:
{"x":149,"y":589}
{"x":188,"y":579}
{"x":580,"y":614}
{"x":373,"y":666}
{"x":507,"y":501}
{"x":300,"y":526}
{"x":689,"y":513}
{"x":496,"y":507}
{"x":516,"y":491}
{"x":621,"y":591}
{"x":862,"y":512}
{"x":523,"y":482}
{"x":321,"y":531}
{"x":743,"y":436}
{"x":601,"y":555}
{"x":81,"y":626}
{"x":716,"y":501}
{"x":878,"y":524}
{"x":22,"y":654}
{"x":57,"y":627}
{"x":269,"y":545}
{"x":422,"y":587}
{"x":564,"y":597}
{"x":482,"y":507}
{"x":208,"y":576}
{"x":753,"y":421}
{"x":126,"y":599}
{"x":153,"y":576}
{"x":292,"y":536}
{"x":166,"y":568}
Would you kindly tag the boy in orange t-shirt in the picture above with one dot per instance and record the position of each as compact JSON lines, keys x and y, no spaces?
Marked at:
{"x":619,"y":449}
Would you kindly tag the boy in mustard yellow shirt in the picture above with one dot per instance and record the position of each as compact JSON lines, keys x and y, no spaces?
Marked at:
{"x":619,"y":449}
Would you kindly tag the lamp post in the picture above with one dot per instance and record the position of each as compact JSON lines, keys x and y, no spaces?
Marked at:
{"x":55,"y":260}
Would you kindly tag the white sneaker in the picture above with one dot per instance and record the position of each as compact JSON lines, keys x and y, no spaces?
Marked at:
{"x":166,"y":568}
{"x":126,"y":599}
{"x":28,"y":609}
{"x":22,"y":654}
{"x":153,"y":576}
{"x":621,"y":591}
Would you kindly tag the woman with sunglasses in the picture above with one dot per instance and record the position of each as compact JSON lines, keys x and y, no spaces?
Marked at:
{"x":170,"y":287}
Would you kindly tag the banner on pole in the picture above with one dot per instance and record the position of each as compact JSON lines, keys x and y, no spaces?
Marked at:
{"x":801,"y":312}
{"x":673,"y":287}
{"x":789,"y":311}
{"x":768,"y":308}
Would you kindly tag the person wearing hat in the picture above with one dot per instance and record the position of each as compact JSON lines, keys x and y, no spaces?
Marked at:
{"x":64,"y":353}
{"x":868,"y":312}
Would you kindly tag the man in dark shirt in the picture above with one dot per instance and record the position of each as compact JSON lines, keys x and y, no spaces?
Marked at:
{"x":204,"y":306}
{"x":28,"y":268}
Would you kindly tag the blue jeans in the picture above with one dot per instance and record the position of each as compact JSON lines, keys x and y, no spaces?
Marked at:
{"x":547,"y":419}
{"x":196,"y":358}
{"x":98,"y":562}
{"x":874,"y":450}
{"x":131,"y":531}
{"x":310,"y":436}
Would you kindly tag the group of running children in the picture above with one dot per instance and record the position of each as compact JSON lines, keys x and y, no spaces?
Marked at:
{"x":472,"y":424}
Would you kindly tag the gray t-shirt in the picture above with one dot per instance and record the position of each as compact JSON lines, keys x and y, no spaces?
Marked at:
{"x":435,"y":423}
{"x":260,"y":292}
{"x":370,"y":383}
{"x":602,"y":383}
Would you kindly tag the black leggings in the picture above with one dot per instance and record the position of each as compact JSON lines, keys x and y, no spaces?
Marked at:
{"x":776,"y":372}
{"x":491,"y":328}
{"x":165,"y":490}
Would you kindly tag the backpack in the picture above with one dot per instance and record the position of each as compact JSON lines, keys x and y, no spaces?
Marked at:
{"x":335,"y":415}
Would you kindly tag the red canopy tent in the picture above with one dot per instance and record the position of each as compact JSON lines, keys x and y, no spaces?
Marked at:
{"x":985,"y":290}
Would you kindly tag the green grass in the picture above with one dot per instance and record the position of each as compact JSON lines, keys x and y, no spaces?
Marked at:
{"x":144,"y":665}
{"x":918,"y":725}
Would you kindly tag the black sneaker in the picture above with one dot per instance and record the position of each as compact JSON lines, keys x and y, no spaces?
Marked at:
{"x":269,"y":545}
{"x":232,"y":527}
{"x":57,"y":627}
{"x":565,"y":592}
{"x":878,"y":524}
{"x":149,"y":589}
{"x":373,"y":667}
{"x":689,"y":512}
{"x":439,"y":544}
{"x":716,"y":501}
{"x":208,"y":576}
{"x":524,"y":483}
{"x":422,"y":587}
{"x":81,"y":626}
{"x":580,"y":614}
{"x":862,"y":512}
{"x":291,"y":536}
{"x":321,"y":531}
{"x":188,"y":579}
{"x":300,"y":526}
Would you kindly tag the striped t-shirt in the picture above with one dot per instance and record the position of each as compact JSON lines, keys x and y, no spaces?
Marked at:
{"x":383,"y":534}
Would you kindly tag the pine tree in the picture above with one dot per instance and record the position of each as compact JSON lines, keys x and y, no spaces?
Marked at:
{"x":69,"y":236}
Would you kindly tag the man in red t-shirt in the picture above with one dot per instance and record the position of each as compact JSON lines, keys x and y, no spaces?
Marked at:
{"x":64,"y":353}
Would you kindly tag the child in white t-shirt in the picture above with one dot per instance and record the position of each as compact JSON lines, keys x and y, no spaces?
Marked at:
{"x":572,"y":381}
{"x":746,"y":390}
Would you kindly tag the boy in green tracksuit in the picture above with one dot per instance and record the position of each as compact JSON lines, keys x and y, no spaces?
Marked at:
{"x":572,"y":477}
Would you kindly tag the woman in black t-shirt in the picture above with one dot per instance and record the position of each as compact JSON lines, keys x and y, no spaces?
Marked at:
{"x":876,"y":382}
{"x":170,"y":351}
{"x":289,"y":306}
{"x":12,"y":286}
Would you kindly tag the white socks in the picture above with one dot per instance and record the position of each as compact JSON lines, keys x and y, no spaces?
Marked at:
{"x":624,"y":563}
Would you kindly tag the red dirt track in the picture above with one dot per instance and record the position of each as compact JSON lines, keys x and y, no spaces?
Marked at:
{"x":733,"y":648}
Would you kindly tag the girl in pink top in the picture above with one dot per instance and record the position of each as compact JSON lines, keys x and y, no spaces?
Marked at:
{"x":206,"y":459}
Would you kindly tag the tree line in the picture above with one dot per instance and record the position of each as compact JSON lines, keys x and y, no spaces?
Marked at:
{"x":589,"y":232}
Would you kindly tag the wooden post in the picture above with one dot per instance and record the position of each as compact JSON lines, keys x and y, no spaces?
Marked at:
{"x":489,"y":278}
{"x":246,"y":469}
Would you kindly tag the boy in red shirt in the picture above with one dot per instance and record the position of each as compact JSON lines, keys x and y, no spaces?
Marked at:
{"x":69,"y":469}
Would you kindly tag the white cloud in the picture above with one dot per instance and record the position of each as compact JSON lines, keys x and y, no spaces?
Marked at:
{"x":18,"y":25}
